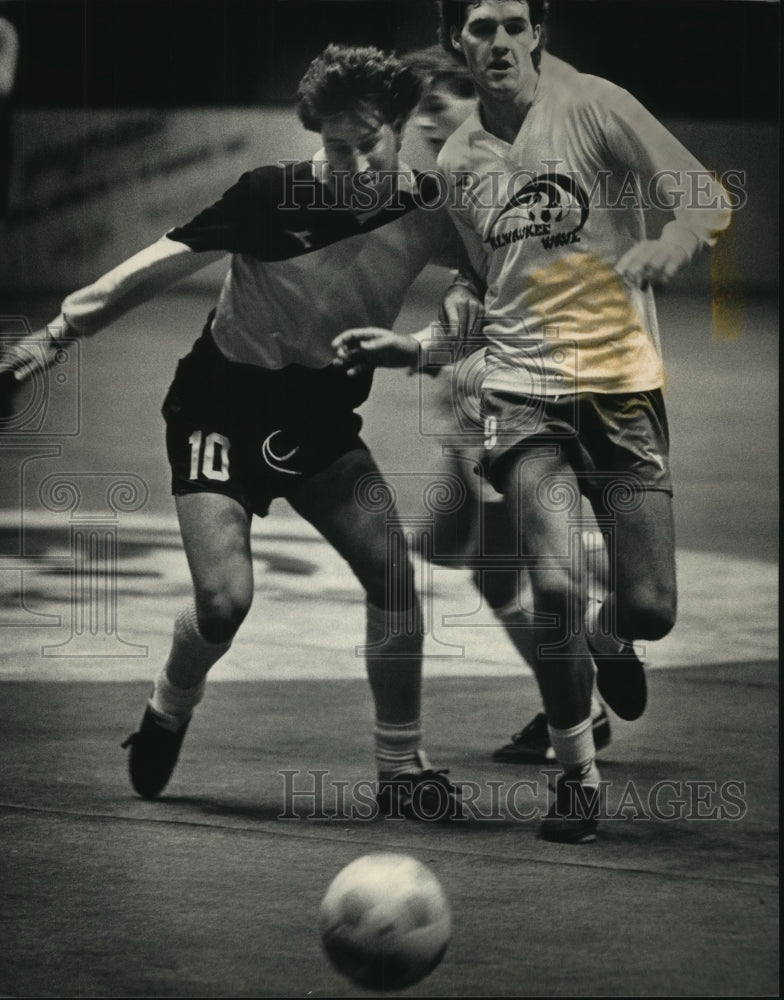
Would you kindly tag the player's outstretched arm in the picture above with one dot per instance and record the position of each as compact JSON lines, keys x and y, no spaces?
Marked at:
{"x":677,"y":180}
{"x":94,"y":307}
{"x":136,"y":280}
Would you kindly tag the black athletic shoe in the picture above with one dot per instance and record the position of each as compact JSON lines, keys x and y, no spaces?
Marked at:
{"x":426,"y":795}
{"x":153,"y":756}
{"x":574,"y":815}
{"x":620,"y":680}
{"x":532,"y":744}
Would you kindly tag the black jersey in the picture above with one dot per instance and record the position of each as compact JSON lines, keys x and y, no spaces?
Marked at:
{"x":303,"y":268}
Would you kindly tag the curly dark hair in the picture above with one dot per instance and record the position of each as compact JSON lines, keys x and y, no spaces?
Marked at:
{"x":452,"y":14}
{"x":343,"y":75}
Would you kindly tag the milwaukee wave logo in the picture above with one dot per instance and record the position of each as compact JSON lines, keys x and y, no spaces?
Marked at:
{"x":550,"y":207}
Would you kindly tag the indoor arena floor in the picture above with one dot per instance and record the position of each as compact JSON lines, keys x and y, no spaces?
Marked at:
{"x":213,"y":890}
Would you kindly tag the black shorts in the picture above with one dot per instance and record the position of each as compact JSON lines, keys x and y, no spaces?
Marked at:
{"x":255,"y":434}
{"x":622,"y":437}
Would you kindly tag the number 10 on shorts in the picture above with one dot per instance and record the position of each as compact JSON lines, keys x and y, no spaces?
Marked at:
{"x":210,"y":455}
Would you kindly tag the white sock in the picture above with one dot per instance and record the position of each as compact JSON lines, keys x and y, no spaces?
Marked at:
{"x":574,"y":750}
{"x":394,"y":666}
{"x":174,"y":705}
{"x":179,"y":687}
{"x":397,"y":747}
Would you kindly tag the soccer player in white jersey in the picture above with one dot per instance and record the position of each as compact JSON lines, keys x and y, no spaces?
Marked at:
{"x":257,"y":411}
{"x":549,"y":179}
{"x":479,"y":529}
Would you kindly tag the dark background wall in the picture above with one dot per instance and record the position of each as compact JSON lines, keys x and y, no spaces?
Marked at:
{"x":716,"y":58}
{"x":130,"y":115}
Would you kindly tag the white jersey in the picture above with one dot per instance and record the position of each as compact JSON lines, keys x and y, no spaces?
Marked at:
{"x":546,"y":219}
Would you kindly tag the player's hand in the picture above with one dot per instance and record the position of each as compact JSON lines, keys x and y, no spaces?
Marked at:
{"x":461,"y":310}
{"x":652,"y":262}
{"x":32,"y":352}
{"x":23,"y":357}
{"x":362,"y":348}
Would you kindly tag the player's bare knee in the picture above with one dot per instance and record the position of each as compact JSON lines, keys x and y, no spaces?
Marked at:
{"x":220,"y":614}
{"x":658,"y":623}
{"x":650,"y":619}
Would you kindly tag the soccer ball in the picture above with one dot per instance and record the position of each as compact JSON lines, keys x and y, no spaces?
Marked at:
{"x":385,"y":921}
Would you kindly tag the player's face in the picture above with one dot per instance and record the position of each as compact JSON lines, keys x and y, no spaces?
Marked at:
{"x":361,"y":143}
{"x":440,"y":112}
{"x":497,"y":41}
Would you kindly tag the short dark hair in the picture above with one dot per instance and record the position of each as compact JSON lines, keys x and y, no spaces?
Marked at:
{"x":452,"y":14}
{"x":344,"y":75}
{"x":437,"y":69}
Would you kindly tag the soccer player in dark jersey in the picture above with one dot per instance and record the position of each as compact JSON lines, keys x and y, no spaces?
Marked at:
{"x":546,"y":178}
{"x":257,"y":411}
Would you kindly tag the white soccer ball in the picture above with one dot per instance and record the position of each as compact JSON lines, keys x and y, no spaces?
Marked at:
{"x":385,"y":921}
